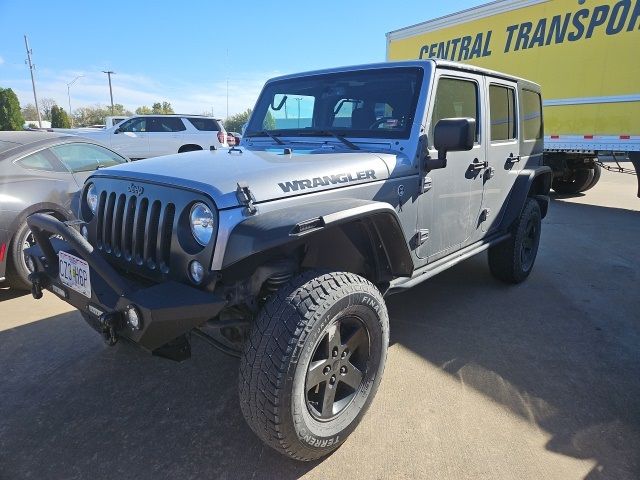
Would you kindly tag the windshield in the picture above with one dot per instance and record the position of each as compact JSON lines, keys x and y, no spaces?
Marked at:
{"x":377,"y":103}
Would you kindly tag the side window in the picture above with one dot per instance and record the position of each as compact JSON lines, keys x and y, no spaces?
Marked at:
{"x":165,"y":124}
{"x":85,"y":157}
{"x":205,"y":124}
{"x":502,"y":107}
{"x":37,"y":161}
{"x":455,"y":98}
{"x":289,"y":111}
{"x":134,"y":125}
{"x":532,"y":107}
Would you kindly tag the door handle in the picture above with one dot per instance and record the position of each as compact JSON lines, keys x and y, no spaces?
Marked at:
{"x":513,"y":159}
{"x":476,"y":165}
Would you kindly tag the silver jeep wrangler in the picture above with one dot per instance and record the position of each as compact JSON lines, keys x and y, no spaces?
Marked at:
{"x":350,"y":184}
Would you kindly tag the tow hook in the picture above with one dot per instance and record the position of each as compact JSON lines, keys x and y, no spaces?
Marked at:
{"x":38,"y":280}
{"x":109,"y":323}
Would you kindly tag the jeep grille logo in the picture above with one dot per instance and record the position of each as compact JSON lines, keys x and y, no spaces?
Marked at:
{"x":136,"y":189}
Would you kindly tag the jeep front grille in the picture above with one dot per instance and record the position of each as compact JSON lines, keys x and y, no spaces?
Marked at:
{"x":135,"y":229}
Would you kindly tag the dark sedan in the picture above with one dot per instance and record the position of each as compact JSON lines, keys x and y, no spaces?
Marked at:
{"x":40,"y":172}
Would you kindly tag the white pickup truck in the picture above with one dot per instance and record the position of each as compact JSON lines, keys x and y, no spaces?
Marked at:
{"x":143,"y":136}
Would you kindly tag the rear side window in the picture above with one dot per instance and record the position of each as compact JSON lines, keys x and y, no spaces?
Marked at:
{"x":502,"y":107}
{"x":205,"y":124}
{"x":165,"y":124}
{"x":37,"y":161}
{"x":84,"y":157}
{"x":532,"y":107}
{"x":455,"y":98}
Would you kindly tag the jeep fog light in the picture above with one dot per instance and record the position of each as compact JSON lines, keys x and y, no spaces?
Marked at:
{"x":134,"y":317}
{"x":196,"y":270}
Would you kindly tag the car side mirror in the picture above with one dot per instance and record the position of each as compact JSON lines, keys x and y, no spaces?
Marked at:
{"x":452,"y":135}
{"x":116,"y":131}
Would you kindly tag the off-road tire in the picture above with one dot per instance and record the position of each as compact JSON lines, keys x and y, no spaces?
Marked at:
{"x":287,"y":335}
{"x":507,"y":260}
{"x":17,"y":275}
{"x":580,"y":181}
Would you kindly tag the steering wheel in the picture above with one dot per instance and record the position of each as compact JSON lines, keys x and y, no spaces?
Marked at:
{"x":379,"y":122}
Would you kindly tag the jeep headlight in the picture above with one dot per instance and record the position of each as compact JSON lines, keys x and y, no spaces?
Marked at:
{"x":92,"y":198}
{"x":203,"y":223}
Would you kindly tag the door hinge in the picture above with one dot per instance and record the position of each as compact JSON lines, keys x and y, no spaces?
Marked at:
{"x":484,"y":215}
{"x":422,"y":236}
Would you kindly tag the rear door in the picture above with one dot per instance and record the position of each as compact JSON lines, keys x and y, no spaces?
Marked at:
{"x":131,"y":139}
{"x":166,"y":135}
{"x":503,"y":151}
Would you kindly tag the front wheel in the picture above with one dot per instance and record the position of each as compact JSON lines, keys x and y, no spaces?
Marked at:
{"x":313,"y":362}
{"x":512,"y":260}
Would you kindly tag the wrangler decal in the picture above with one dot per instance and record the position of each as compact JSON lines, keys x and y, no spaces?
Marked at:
{"x":295,"y":185}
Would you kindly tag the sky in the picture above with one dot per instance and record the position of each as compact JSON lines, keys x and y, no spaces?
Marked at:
{"x":184,"y":52}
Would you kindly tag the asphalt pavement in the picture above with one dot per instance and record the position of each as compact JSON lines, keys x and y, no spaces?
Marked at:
{"x":483,"y":380}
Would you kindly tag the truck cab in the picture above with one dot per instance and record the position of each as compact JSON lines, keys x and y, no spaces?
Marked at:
{"x":350,"y":184}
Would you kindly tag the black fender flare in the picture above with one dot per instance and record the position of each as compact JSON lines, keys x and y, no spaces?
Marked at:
{"x":259,"y":234}
{"x":530,"y":182}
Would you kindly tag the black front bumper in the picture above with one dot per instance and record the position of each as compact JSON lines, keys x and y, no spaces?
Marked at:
{"x":169,"y":309}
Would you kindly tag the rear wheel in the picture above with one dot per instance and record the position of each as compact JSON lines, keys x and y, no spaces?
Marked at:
{"x":313,"y":362}
{"x":512,"y":260}
{"x":579,"y":181}
{"x":189,"y":148}
{"x":597,"y":172}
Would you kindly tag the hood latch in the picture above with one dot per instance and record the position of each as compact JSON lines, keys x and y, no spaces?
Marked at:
{"x":246,"y":198}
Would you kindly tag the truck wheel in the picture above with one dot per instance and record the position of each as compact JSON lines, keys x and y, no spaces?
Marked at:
{"x":17,"y":270}
{"x":597,"y":172}
{"x":313,"y":362}
{"x":579,"y":182}
{"x":512,"y":260}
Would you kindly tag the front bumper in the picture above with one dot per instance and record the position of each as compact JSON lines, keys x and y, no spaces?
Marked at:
{"x":169,"y":309}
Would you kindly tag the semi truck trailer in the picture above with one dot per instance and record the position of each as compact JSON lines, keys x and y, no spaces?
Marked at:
{"x":585,"y":54}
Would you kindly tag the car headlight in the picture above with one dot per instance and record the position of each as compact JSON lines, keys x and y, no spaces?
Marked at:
{"x":202,"y":223}
{"x":92,"y":198}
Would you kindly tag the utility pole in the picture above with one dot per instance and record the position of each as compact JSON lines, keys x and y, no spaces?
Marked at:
{"x":33,"y":82}
{"x":227,"y":83}
{"x":69,"y":95}
{"x":109,"y":73}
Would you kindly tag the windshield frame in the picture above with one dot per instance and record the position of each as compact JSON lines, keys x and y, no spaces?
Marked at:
{"x":255,"y":127}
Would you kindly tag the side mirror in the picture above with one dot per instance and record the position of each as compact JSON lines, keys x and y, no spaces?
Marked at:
{"x":116,"y":131}
{"x":452,"y":135}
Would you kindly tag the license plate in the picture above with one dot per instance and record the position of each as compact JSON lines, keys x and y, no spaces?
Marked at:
{"x":74,"y":273}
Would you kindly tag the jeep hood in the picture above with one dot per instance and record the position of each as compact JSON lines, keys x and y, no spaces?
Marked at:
{"x":270,"y":174}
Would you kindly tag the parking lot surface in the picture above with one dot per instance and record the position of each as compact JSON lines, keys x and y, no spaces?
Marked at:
{"x":483,"y":380}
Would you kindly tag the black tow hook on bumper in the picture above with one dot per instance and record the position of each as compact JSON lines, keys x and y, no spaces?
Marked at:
{"x":39,"y":280}
{"x":109,"y":324}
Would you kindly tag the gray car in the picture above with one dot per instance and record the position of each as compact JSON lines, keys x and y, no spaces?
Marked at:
{"x":40,"y":172}
{"x":350,"y":184}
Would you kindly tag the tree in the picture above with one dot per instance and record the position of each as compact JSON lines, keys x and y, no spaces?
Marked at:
{"x":158,"y":108}
{"x":143,"y":110}
{"x":10,"y":114}
{"x":85,"y":116}
{"x":235,"y":122}
{"x":59,"y":118}
{"x":29,"y":112}
{"x":46,"y":104}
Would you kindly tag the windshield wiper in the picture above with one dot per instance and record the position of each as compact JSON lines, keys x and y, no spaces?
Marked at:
{"x":268,"y":133}
{"x":329,"y":133}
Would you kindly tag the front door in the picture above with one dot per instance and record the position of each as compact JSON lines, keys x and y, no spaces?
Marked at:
{"x":131,"y":139}
{"x":452,"y":196}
